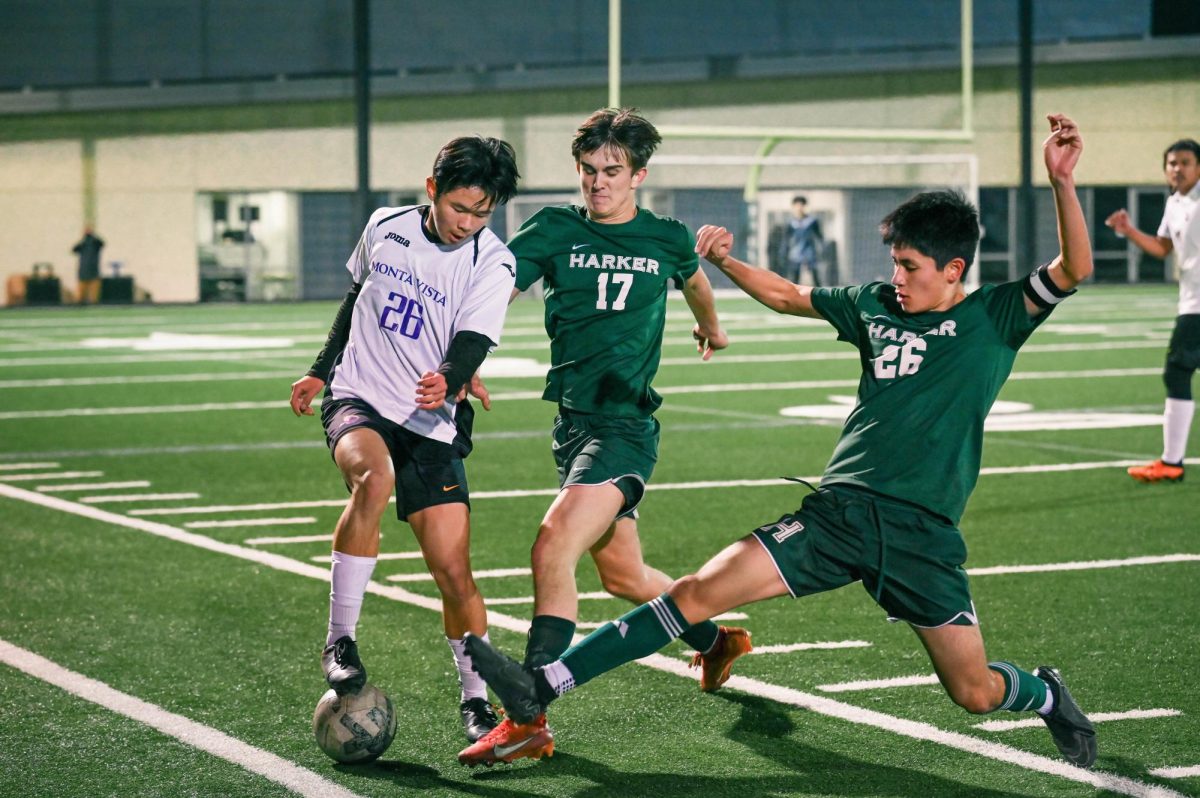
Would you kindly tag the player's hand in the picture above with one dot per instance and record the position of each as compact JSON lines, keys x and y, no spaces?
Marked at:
{"x":431,"y":390}
{"x":304,"y":390}
{"x":709,"y":342}
{"x":1062,"y":147}
{"x":1119,"y":222}
{"x":477,"y":389}
{"x":713,"y":243}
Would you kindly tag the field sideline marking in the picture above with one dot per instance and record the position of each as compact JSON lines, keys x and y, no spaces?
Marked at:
{"x":1098,"y":717}
{"x":1177,"y":773}
{"x":825,"y":706}
{"x":270,"y":766}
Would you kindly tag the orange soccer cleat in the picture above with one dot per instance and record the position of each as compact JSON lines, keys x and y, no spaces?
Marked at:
{"x":1158,"y":471}
{"x":732,"y":642}
{"x":509,"y":742}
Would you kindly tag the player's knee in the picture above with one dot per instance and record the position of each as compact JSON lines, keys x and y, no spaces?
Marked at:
{"x":1178,"y":380}
{"x":455,"y":583}
{"x":372,"y":488}
{"x":623,"y":583}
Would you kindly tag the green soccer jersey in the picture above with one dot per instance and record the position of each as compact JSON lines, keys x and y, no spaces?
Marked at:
{"x":606,"y":294}
{"x":928,"y":382}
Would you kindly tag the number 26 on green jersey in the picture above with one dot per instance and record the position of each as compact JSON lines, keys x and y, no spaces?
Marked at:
{"x":897,"y":361}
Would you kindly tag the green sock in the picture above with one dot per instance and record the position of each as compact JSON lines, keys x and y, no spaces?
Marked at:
{"x":634,"y":635}
{"x":1022,"y":690}
{"x":549,"y":637}
{"x":701,"y":636}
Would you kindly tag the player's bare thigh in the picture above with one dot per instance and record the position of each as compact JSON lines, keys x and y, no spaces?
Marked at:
{"x":740,"y":574}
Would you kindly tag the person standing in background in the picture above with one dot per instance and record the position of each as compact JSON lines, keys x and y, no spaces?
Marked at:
{"x":1178,"y":232}
{"x":88,"y":250}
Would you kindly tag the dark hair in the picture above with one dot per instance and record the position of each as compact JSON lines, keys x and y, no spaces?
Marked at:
{"x":477,"y":162}
{"x":800,"y":198}
{"x":941,"y":225}
{"x":1183,"y":145}
{"x":622,"y":129}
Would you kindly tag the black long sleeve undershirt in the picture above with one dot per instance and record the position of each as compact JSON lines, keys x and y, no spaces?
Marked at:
{"x":339,"y":334}
{"x":463,"y":358}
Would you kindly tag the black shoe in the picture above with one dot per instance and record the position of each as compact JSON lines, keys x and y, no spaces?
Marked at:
{"x":478,"y":718}
{"x":344,"y":671}
{"x":1073,"y":733}
{"x":513,"y":684}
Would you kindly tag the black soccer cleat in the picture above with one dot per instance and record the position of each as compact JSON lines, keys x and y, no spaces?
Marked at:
{"x":478,"y":718}
{"x":1073,"y":733}
{"x":509,"y":681}
{"x":344,"y":671}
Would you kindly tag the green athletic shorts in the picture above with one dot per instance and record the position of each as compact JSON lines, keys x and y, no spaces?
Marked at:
{"x":908,"y":559}
{"x":592,"y":449}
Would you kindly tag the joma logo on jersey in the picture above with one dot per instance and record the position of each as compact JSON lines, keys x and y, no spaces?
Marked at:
{"x":404,"y":242}
{"x":618,"y":263}
{"x":881,"y":332}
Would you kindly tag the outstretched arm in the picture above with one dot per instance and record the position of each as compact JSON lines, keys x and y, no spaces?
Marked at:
{"x":774,"y":291}
{"x":1061,"y":151}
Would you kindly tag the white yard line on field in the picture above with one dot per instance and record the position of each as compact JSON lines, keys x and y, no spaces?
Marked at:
{"x":788,"y":648}
{"x":50,"y":475}
{"x":1184,"y":772}
{"x":139,"y":483}
{"x":270,"y":766}
{"x":26,"y":466}
{"x":487,"y":573}
{"x":1094,"y":717}
{"x":814,"y":703}
{"x":122,"y":498}
{"x":383,"y":555}
{"x":240,"y":522}
{"x":268,"y":541}
{"x":878,"y":684}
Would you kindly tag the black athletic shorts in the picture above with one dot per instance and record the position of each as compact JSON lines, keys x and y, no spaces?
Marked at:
{"x":1184,"y":349}
{"x":428,"y":472}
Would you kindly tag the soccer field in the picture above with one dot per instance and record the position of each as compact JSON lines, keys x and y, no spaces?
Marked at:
{"x":165,"y":521}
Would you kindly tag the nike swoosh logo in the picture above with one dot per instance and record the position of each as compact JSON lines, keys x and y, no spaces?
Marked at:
{"x":448,"y":488}
{"x":504,"y":750}
{"x":578,"y":246}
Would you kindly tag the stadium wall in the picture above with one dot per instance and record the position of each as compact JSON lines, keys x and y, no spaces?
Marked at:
{"x":150,"y":164}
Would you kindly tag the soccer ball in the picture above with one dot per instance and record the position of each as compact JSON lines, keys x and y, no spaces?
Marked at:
{"x":356,"y":727}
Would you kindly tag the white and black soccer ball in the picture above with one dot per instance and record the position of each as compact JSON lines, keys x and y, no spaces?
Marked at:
{"x":356,"y":727}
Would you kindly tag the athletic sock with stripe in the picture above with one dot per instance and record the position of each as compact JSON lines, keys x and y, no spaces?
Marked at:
{"x":1023,"y":691}
{"x":636,"y":634}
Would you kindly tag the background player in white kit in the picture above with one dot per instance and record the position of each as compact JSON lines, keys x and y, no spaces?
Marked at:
{"x":431,"y":288}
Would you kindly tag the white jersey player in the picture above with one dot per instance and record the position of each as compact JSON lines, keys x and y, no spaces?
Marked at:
{"x":431,"y":285}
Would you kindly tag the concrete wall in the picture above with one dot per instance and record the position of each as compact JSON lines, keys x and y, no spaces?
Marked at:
{"x":145,"y":185}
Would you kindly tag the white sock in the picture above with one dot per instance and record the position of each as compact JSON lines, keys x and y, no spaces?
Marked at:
{"x":348,"y":577}
{"x":473,"y":685}
{"x":1177,"y":423}
{"x":1047,"y":707}
{"x":559,"y":676}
